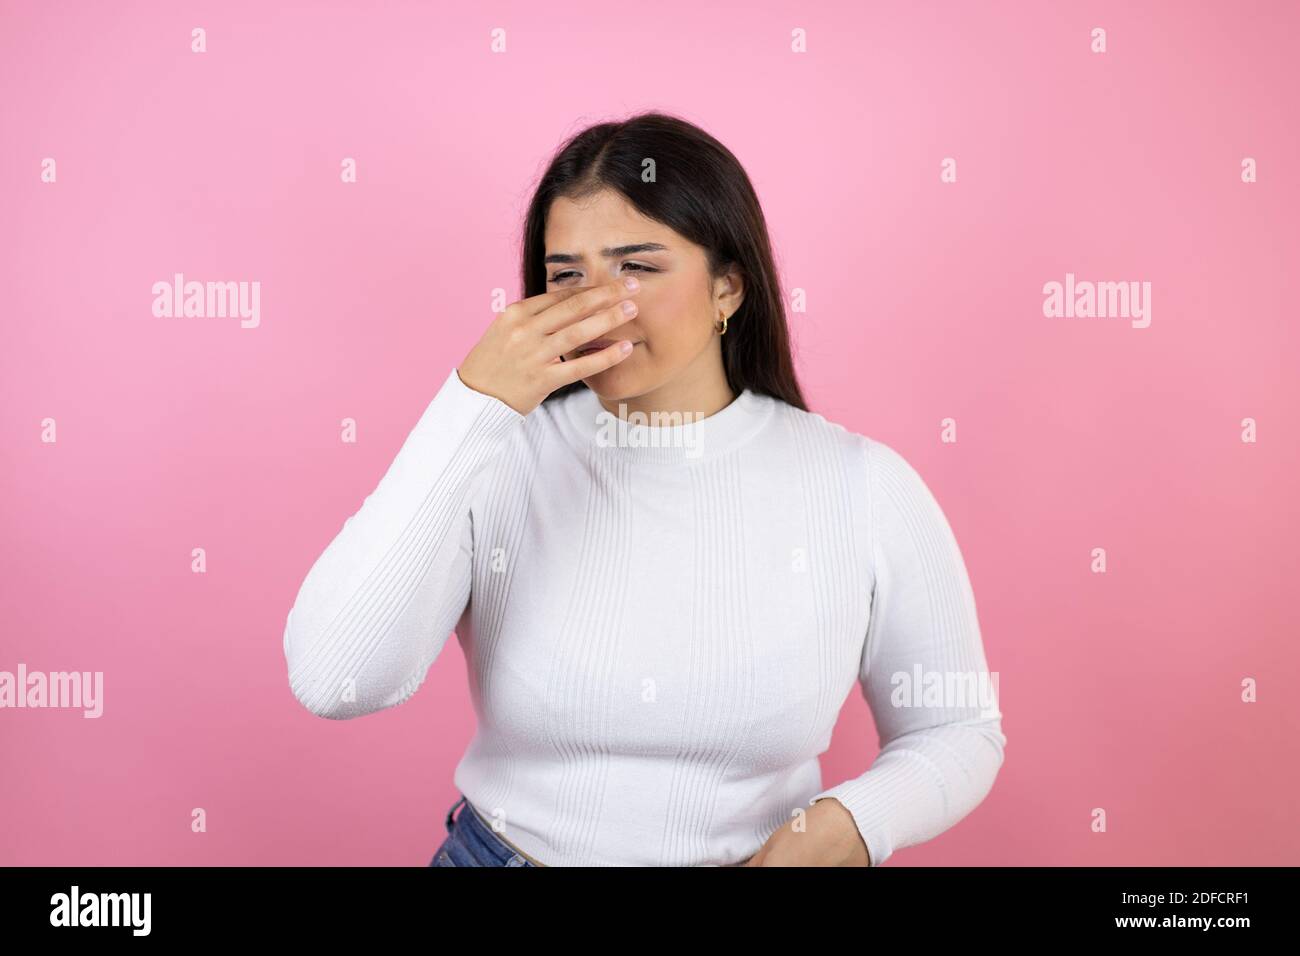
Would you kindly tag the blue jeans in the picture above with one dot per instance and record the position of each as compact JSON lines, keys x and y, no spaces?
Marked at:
{"x":472,"y":842}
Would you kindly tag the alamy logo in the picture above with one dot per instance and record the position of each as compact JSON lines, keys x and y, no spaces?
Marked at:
{"x":102,"y":909}
{"x":211,"y":300}
{"x":56,"y":689}
{"x":1100,"y":300}
{"x":666,"y":430}
{"x":946,"y":689}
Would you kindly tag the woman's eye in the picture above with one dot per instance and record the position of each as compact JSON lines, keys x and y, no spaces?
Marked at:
{"x":636,"y":266}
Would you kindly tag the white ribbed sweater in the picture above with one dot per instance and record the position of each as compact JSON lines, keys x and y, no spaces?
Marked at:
{"x":661,"y":624}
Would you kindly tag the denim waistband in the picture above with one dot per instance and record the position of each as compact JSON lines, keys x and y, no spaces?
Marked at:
{"x":485,"y":829}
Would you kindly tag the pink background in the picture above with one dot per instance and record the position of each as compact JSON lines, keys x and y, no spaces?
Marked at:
{"x":1119,"y":690}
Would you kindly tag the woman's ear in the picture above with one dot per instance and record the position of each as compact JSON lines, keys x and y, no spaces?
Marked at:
{"x":729,"y":290}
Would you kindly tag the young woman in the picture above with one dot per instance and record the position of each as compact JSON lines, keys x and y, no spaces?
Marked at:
{"x":665,"y":573}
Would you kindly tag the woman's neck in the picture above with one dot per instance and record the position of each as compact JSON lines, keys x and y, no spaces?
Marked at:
{"x":692,"y":395}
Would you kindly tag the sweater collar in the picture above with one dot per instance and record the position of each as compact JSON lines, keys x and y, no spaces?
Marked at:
{"x":664,"y":439}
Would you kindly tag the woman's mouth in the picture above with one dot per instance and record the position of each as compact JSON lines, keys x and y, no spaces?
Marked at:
{"x":596,"y":346}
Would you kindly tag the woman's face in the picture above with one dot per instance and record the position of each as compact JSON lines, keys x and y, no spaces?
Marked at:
{"x":604,"y":237}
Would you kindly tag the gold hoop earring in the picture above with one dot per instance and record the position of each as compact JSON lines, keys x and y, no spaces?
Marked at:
{"x":721,"y":328}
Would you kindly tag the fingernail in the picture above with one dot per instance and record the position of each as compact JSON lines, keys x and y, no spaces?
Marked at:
{"x":631,"y":283}
{"x":629,"y":307}
{"x":625,"y":347}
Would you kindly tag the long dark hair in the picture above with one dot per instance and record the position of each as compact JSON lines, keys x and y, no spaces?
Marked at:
{"x":700,"y":191}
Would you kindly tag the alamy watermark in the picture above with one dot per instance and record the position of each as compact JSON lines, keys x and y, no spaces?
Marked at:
{"x":208,"y":300}
{"x":75,"y":908}
{"x":650,"y":430}
{"x":59,"y":689}
{"x":1098,"y":300}
{"x":946,"y":689}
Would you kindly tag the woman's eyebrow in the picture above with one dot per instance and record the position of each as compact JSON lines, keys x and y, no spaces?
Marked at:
{"x":609,"y":252}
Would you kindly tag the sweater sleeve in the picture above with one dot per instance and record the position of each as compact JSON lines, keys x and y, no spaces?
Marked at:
{"x":922,"y":673}
{"x":378,"y":605}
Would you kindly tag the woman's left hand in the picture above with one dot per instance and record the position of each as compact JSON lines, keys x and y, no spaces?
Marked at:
{"x":830,"y":838}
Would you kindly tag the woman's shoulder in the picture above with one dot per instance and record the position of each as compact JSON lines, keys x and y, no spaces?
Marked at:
{"x":873,"y":459}
{"x":814,"y":427}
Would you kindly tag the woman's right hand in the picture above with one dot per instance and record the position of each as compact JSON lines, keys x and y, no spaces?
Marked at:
{"x":518,"y":359}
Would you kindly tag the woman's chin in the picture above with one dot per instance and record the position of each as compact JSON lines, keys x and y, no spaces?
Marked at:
{"x":616,"y":382}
